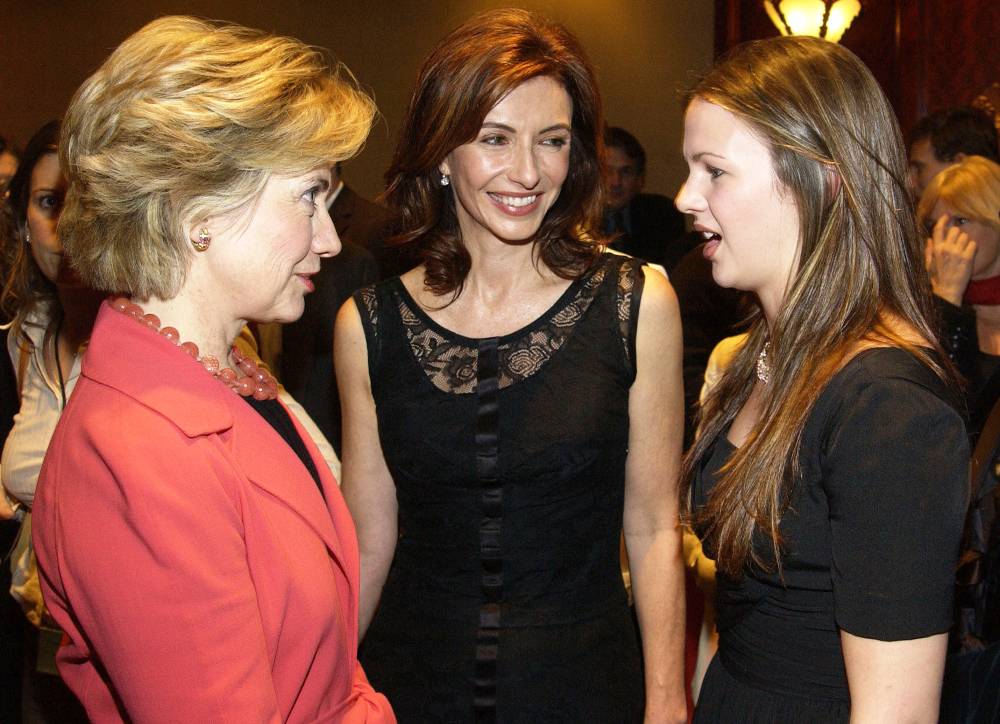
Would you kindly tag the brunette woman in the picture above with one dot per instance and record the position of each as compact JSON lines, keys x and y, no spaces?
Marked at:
{"x":829,"y":478}
{"x":51,"y":315}
{"x":510,"y":404}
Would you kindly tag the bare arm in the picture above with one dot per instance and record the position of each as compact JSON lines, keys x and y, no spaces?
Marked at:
{"x":367,"y":485}
{"x":894,"y":681}
{"x":652,"y":529}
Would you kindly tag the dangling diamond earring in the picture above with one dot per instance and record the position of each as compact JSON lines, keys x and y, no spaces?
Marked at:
{"x":27,"y":235}
{"x":203,"y":240}
{"x":445,"y":180}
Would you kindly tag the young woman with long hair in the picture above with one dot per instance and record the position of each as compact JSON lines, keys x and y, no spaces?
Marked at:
{"x":828,"y":480}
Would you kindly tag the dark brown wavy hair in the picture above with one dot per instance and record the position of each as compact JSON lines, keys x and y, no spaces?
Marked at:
{"x":837,"y":150}
{"x":465,"y":76}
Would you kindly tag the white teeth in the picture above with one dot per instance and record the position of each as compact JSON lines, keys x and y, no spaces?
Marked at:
{"x":709,"y":235}
{"x":515,"y":201}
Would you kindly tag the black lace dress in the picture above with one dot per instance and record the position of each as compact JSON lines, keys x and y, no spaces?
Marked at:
{"x":505,"y":600}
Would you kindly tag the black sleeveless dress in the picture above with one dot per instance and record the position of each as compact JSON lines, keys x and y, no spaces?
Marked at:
{"x":505,"y":601}
{"x":871,"y":544}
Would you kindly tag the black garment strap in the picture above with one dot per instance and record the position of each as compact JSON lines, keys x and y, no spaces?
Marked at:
{"x":276,"y":416}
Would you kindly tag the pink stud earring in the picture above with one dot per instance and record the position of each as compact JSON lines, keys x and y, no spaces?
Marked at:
{"x":203,"y":240}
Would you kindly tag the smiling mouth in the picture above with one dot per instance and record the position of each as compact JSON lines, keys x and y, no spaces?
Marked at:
{"x":515,"y":202}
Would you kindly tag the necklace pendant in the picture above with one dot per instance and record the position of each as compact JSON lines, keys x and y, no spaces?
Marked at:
{"x":763,"y":369}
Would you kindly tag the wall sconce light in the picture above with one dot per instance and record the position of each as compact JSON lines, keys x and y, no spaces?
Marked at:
{"x":819,"y":18}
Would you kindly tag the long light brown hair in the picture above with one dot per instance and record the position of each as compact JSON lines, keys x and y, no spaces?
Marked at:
{"x":467,"y":73}
{"x":837,"y":149}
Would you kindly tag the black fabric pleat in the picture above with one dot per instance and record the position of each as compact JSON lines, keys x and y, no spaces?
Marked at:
{"x":487,"y":421}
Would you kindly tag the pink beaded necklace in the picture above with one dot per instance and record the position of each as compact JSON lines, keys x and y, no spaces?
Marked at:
{"x":255,"y":380}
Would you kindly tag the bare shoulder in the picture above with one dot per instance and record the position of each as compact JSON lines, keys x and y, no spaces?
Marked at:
{"x":350,"y":348}
{"x":348,"y":319}
{"x":658,"y":298}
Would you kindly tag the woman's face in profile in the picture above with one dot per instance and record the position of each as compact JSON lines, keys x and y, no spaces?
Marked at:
{"x":510,"y":175}
{"x":749,"y":220}
{"x":986,"y":263}
{"x":45,"y":201}
{"x":262,"y":259}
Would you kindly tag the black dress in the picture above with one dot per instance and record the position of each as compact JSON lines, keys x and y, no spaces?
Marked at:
{"x":505,"y":601}
{"x":872,"y":539}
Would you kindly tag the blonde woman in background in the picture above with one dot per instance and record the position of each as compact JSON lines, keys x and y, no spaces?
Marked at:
{"x":959,"y":209}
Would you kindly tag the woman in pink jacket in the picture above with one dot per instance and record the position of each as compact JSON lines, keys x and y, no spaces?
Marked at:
{"x":193,"y":544}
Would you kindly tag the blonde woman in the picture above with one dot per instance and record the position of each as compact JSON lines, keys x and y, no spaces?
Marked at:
{"x":829,"y":478}
{"x":192,"y":544}
{"x":960,"y":209}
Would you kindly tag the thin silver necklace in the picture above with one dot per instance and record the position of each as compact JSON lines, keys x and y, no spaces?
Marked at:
{"x":763,"y":368}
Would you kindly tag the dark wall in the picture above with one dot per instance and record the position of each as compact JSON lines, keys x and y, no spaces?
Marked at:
{"x":643,"y":50}
{"x":927,"y":54}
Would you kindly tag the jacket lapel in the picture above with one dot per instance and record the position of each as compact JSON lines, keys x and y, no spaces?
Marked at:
{"x":273,"y":466}
{"x":162,"y":377}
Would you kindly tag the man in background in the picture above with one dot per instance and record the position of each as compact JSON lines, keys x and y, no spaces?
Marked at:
{"x":944,"y":138}
{"x":647,"y":226}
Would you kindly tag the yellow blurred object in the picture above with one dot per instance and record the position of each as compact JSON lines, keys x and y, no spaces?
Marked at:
{"x":813,"y":17}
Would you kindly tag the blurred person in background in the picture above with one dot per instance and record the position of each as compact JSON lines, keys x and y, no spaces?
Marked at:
{"x":944,"y":138}
{"x":960,"y":211}
{"x":8,"y":162}
{"x":52,"y":315}
{"x":641,"y":224}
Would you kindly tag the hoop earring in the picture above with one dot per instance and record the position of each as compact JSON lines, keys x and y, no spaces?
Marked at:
{"x":445,"y":180}
{"x":203,"y":240}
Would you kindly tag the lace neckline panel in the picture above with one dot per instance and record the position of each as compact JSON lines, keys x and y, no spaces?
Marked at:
{"x":450,"y":360}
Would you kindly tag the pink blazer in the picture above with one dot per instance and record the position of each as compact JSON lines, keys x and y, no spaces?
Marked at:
{"x":188,"y":554}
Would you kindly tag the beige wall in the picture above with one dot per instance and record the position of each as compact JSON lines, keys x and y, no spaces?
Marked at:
{"x":644,"y":51}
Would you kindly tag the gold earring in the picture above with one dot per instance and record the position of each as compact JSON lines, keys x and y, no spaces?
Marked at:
{"x":203,"y":240}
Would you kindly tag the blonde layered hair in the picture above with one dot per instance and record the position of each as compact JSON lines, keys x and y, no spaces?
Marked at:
{"x":971,"y":187}
{"x":838,"y":152}
{"x":185,"y":120}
